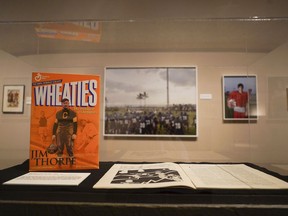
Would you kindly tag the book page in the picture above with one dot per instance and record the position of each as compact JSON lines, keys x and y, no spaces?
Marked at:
{"x":211,"y":176}
{"x":254,"y":178}
{"x":144,"y":176}
{"x":49,"y":178}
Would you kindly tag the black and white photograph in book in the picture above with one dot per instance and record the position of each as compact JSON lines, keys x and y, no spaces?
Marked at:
{"x":146,"y":176}
{"x":151,"y":101}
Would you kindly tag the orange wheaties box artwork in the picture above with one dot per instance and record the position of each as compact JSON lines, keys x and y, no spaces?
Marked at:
{"x":65,"y":112}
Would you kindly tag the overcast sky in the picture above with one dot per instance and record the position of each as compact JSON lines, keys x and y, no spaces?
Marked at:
{"x":231,"y":83}
{"x":122,"y":85}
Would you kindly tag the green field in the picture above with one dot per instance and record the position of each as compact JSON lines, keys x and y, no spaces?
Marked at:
{"x":190,"y":126}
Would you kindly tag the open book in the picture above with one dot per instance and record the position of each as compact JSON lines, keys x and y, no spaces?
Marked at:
{"x":197,"y":176}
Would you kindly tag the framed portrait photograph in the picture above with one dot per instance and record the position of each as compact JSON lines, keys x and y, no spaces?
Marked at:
{"x":239,"y":97}
{"x":13,"y":99}
{"x":150,"y":101}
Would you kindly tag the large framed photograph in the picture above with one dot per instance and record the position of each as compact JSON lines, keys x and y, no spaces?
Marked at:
{"x":13,"y":99}
{"x":150,"y":101}
{"x":239,"y":97}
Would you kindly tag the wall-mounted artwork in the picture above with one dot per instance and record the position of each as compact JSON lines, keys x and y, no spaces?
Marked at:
{"x":277,"y":98}
{"x":151,"y":102}
{"x":13,"y":99}
{"x":239,"y":97}
{"x":287,"y":97}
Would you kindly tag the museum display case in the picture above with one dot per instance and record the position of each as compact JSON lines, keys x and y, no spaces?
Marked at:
{"x":170,"y":75}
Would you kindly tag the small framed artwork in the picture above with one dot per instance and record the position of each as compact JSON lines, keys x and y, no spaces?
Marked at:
{"x":13,"y":99}
{"x":239,"y":97}
{"x":150,"y":102}
{"x":287,"y":97}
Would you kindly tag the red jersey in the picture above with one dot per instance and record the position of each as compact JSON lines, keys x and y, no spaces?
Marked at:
{"x":241,"y":99}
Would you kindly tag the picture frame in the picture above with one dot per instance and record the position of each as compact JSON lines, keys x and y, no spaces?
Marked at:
{"x":13,"y":99}
{"x":277,"y":98}
{"x":150,"y":102}
{"x":287,"y":98}
{"x":239,"y":97}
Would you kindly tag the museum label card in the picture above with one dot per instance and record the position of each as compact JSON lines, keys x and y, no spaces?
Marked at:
{"x":49,"y":178}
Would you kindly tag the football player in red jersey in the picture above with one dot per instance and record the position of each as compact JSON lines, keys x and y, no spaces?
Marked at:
{"x":238,"y":100}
